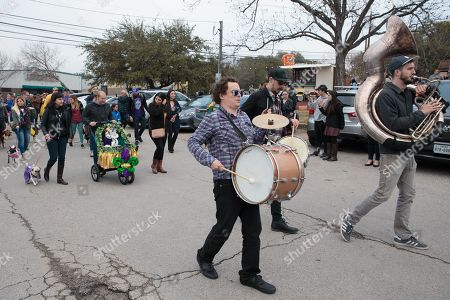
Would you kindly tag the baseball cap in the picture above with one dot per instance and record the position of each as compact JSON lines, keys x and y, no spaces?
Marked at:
{"x":279,"y":74}
{"x":322,"y":88}
{"x":55,"y":89}
{"x":398,"y":61}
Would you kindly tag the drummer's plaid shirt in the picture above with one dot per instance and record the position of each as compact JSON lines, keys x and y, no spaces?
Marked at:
{"x":223,"y":143}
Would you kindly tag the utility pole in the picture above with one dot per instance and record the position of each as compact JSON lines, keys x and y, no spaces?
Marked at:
{"x":219,"y":63}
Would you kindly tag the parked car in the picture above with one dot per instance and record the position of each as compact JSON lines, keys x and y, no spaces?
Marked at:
{"x":149,"y":95}
{"x":81,"y":97}
{"x":198,"y":117}
{"x":439,"y":149}
{"x":112,"y":100}
{"x":193,"y":113}
{"x":353,"y":129}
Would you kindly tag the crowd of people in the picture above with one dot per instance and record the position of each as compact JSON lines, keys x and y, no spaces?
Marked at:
{"x":60,"y":116}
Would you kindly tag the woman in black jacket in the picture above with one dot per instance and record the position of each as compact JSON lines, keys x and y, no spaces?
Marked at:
{"x":56,"y":126}
{"x":333,"y":125}
{"x":172,"y":119}
{"x":157,"y":110}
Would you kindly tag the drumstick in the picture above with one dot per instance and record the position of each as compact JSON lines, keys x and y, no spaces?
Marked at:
{"x":293,"y":128}
{"x":250,"y":180}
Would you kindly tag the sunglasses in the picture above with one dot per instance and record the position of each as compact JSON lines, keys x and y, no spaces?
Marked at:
{"x":236,"y":93}
{"x":282,"y":82}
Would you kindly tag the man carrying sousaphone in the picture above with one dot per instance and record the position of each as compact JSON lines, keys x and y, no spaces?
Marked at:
{"x":226,"y":131}
{"x":394,"y":107}
{"x":261,"y":101}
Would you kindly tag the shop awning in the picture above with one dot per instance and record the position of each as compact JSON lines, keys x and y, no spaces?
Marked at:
{"x":39,"y":87}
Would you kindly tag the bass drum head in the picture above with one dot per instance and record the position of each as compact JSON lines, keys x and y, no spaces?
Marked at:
{"x":298,"y":144}
{"x":253,"y":162}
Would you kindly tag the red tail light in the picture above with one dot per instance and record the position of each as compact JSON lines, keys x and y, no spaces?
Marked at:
{"x":352,"y":114}
{"x":311,"y":111}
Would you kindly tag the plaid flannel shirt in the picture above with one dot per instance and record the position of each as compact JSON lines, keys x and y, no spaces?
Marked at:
{"x":223,"y":142}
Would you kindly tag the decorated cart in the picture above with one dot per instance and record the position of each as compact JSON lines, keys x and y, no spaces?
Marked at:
{"x":115,"y":152}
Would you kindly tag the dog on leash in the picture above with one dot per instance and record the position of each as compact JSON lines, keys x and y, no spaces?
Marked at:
{"x":13,"y":153}
{"x":32,"y":174}
{"x":4,"y":135}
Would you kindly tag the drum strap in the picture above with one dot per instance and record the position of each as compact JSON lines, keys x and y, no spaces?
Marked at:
{"x":237,"y":130}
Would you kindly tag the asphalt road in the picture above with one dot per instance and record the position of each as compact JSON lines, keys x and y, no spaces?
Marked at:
{"x":52,"y":237}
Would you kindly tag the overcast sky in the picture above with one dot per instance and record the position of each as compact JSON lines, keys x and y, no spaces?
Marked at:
{"x":204,"y":16}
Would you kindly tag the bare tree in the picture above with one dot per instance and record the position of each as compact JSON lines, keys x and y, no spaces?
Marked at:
{"x":5,"y":65}
{"x":340,"y":24}
{"x":42,"y":58}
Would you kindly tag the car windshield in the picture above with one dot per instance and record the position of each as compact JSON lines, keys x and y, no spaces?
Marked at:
{"x":444,"y":90}
{"x":347,"y":99}
{"x":203,"y":101}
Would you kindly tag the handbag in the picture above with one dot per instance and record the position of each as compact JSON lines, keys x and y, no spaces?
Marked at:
{"x":158,"y":133}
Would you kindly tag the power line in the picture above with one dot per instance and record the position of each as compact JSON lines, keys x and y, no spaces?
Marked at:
{"x":41,"y":36}
{"x":54,"y":22}
{"x":31,"y":40}
{"x":47,"y":30}
{"x":125,"y":15}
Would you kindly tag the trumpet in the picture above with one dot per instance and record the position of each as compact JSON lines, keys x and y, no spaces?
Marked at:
{"x":435,"y":118}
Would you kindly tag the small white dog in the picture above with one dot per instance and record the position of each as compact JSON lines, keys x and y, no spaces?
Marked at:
{"x":32,"y":174}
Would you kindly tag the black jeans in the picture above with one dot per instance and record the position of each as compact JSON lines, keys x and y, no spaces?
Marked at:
{"x":57,"y":151}
{"x":373,"y":148}
{"x":124,"y":119}
{"x":228,"y":208}
{"x":319,"y":128}
{"x":160,"y":143}
{"x":275,"y":209}
{"x":139,"y":126}
{"x":172,"y":134}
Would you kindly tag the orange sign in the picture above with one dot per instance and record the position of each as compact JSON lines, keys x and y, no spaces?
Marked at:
{"x":288,"y":59}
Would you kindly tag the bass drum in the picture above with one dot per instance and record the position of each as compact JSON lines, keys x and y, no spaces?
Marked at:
{"x":272,"y":172}
{"x":300,"y":145}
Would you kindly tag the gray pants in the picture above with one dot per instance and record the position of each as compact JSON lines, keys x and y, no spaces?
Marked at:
{"x":397,"y":171}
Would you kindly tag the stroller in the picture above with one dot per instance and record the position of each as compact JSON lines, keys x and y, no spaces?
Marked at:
{"x":115,"y":152}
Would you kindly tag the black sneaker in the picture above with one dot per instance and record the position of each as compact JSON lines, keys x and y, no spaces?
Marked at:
{"x":140,"y":139}
{"x":346,"y":228}
{"x":283,"y":227}
{"x":411,"y":242}
{"x":82,"y":146}
{"x":207,"y":268}
{"x":259,"y":284}
{"x":70,"y":144}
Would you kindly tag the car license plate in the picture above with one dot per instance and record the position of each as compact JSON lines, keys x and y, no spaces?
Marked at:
{"x":441,"y":148}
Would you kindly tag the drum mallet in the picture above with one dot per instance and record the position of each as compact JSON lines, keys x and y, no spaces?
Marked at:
{"x":250,"y":180}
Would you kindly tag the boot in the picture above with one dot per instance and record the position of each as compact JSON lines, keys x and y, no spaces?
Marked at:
{"x":316,"y":153}
{"x":60,"y":180}
{"x":160,"y":168}
{"x":47,"y":172}
{"x":154,"y":165}
{"x":334,"y":149}
{"x":328,"y":155}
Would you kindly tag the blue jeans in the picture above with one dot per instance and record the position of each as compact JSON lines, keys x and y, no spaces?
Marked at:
{"x":78,"y":126}
{"x":93,"y":145}
{"x":57,"y":151}
{"x":23,"y":138}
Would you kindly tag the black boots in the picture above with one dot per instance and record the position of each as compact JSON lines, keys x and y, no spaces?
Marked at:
{"x":328,"y":154}
{"x":334,"y":150}
{"x":283,"y":227}
{"x":47,"y":172}
{"x":59,"y":179}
